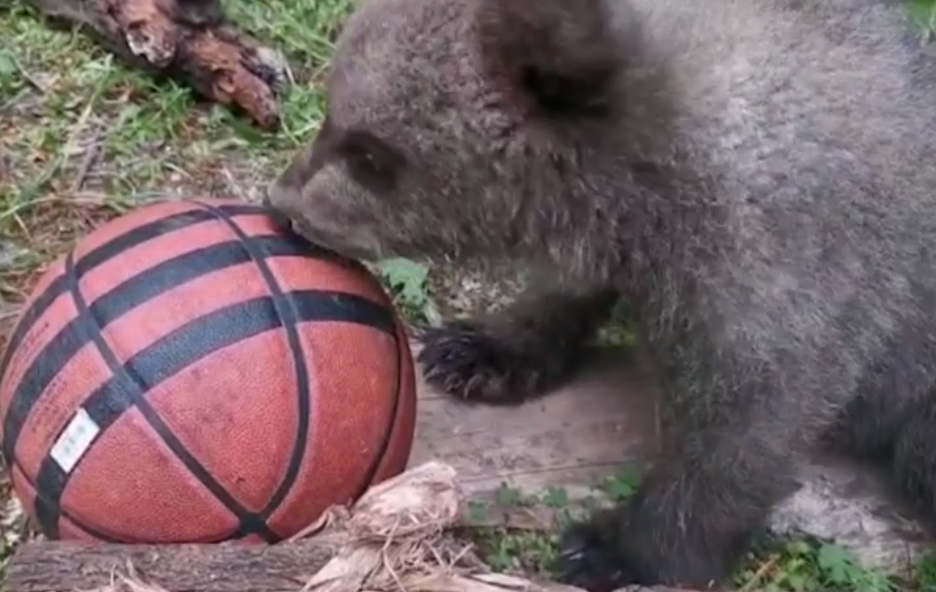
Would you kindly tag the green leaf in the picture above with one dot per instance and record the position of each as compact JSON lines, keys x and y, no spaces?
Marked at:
{"x":924,"y":13}
{"x":833,"y":556}
{"x":507,"y":496}
{"x":7,"y":65}
{"x":408,"y":278}
{"x":476,"y":511}
{"x":556,"y":497}
{"x":245,"y":130}
{"x":798,"y":548}
{"x":798,"y":582}
{"x":619,"y":489}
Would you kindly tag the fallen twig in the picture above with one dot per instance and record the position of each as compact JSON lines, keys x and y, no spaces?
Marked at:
{"x":192,"y":41}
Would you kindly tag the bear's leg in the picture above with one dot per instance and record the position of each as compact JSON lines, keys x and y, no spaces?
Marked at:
{"x":516,"y":353}
{"x":914,"y":461}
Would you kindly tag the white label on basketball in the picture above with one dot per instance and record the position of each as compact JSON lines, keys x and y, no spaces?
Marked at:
{"x":75,"y":440}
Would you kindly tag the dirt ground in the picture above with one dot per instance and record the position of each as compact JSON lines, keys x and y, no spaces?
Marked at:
{"x":83,"y":139}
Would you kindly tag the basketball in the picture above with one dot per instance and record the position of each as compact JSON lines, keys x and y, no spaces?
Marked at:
{"x":190,"y":372}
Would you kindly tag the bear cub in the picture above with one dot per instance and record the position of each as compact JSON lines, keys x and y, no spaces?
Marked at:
{"x":756,"y":178}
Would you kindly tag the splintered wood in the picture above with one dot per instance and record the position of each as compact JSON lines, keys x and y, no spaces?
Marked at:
{"x":394,"y":539}
{"x":187,"y":39}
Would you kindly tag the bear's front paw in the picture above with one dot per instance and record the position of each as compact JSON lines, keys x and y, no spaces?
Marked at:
{"x":590,"y":557}
{"x":464,"y":361}
{"x":635,"y":545}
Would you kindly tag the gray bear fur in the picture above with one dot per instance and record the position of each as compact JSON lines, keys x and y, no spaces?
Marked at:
{"x":756,"y":178}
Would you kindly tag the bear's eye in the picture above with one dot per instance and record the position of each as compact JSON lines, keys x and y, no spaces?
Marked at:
{"x":371,"y":162}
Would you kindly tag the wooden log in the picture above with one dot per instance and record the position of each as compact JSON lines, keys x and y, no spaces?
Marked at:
{"x":45,"y":566}
{"x":393,"y":538}
{"x":190,"y":40}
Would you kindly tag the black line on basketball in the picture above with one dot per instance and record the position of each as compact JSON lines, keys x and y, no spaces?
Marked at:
{"x":185,"y":346}
{"x":126,"y":296}
{"x":109,"y":537}
{"x":288,"y":317}
{"x":104,"y":253}
{"x":40,"y":507}
{"x":390,"y":426}
{"x":44,"y":513}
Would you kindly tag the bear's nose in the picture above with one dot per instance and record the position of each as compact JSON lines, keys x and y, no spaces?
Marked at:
{"x":280,"y":219}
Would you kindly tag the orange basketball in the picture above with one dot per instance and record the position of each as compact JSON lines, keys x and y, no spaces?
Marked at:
{"x":191,"y":373}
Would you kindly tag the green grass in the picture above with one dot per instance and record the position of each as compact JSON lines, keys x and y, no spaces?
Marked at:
{"x":83,"y":138}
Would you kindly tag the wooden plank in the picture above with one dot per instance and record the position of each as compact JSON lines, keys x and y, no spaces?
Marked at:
{"x":572,"y":438}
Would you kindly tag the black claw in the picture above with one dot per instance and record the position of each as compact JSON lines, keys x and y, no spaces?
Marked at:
{"x":468,"y":364}
{"x":589,"y":558}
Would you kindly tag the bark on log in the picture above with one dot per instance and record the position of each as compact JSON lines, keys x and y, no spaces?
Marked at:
{"x":46,"y":566}
{"x":191,"y":40}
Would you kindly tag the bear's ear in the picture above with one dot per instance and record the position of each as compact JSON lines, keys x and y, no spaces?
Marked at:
{"x":558,"y":58}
